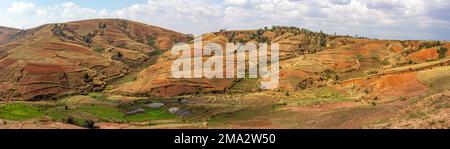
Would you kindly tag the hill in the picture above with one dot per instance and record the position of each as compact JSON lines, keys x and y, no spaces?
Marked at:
{"x":53,"y":60}
{"x":360,"y":66}
{"x":6,"y":33}
{"x":113,"y":73}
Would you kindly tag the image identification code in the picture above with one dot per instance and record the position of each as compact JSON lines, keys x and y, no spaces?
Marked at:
{"x":246,"y":138}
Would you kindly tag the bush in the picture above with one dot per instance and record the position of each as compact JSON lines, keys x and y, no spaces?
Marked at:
{"x":99,"y":50}
{"x":97,"y":95}
{"x":89,"y":124}
{"x":69,"y":120}
{"x":322,"y":42}
{"x":375,"y":57}
{"x":403,"y":98}
{"x":122,"y":45}
{"x":87,"y":78}
{"x":190,"y":37}
{"x":360,"y":57}
{"x":151,"y":41}
{"x":442,"y":51}
{"x":385,"y":62}
{"x":119,"y":54}
{"x":370,"y":72}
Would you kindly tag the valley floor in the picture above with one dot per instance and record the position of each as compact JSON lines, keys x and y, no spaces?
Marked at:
{"x":257,"y":110}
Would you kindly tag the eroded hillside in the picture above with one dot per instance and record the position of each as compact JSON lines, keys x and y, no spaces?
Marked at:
{"x":119,"y":74}
{"x":53,"y":60}
{"x":367,"y":68}
{"x":6,"y":33}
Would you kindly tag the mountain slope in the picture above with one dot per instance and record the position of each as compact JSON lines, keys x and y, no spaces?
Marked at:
{"x":76,"y":57}
{"x":6,"y":33}
{"x":308,"y":60}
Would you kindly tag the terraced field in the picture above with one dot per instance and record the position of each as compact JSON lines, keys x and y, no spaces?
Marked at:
{"x":113,"y":73}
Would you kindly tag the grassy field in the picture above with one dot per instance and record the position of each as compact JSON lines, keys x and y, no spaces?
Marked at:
{"x":244,"y":85}
{"x":20,"y":111}
{"x":436,"y":78}
{"x":80,"y":110}
{"x":321,"y":95}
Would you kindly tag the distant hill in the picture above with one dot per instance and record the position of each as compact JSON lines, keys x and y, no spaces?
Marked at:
{"x":359,"y":66}
{"x":6,"y":33}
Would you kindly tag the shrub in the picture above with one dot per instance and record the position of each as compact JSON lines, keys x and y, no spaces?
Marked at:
{"x":375,"y":57}
{"x":89,"y":124}
{"x":122,"y":45}
{"x":442,"y":51}
{"x":385,"y":62}
{"x":99,"y":50}
{"x":403,"y":98}
{"x":119,"y":54}
{"x":360,"y":57}
{"x":370,"y":72}
{"x":87,"y":78}
{"x":190,"y":37}
{"x":97,"y":95}
{"x":69,"y":120}
{"x":151,"y":41}
{"x":322,"y":42}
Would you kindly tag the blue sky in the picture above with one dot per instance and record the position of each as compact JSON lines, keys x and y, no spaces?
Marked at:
{"x":388,"y":19}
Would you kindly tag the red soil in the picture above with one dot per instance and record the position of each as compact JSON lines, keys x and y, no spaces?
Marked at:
{"x":405,"y":84}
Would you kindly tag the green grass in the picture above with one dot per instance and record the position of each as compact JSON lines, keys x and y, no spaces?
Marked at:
{"x":436,"y":78}
{"x":126,"y":79}
{"x":122,"y":80}
{"x":150,"y":114}
{"x":245,"y":85}
{"x":97,"y":95}
{"x":80,"y":113}
{"x":104,"y":113}
{"x":415,"y":66}
{"x":327,"y":92}
{"x":321,"y":96}
{"x":19,"y":111}
{"x":109,"y":114}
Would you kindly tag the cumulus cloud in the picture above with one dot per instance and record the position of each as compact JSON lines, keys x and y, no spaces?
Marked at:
{"x":235,"y":2}
{"x":394,"y":19}
{"x":20,"y":7}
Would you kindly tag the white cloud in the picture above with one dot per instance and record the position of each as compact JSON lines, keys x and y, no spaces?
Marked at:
{"x":20,"y":7}
{"x":405,"y":19}
{"x":235,"y":2}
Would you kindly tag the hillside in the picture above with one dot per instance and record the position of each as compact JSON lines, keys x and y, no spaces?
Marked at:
{"x":7,"y":33}
{"x":53,"y":60}
{"x":113,"y":73}
{"x":359,"y":66}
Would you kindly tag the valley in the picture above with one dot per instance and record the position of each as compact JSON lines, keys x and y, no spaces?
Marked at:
{"x":115,"y":74}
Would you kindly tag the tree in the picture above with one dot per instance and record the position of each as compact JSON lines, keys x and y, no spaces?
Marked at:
{"x":190,"y":37}
{"x":322,"y":42}
{"x":442,"y":51}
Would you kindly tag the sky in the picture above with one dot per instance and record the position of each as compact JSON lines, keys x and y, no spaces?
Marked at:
{"x":383,"y":19}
